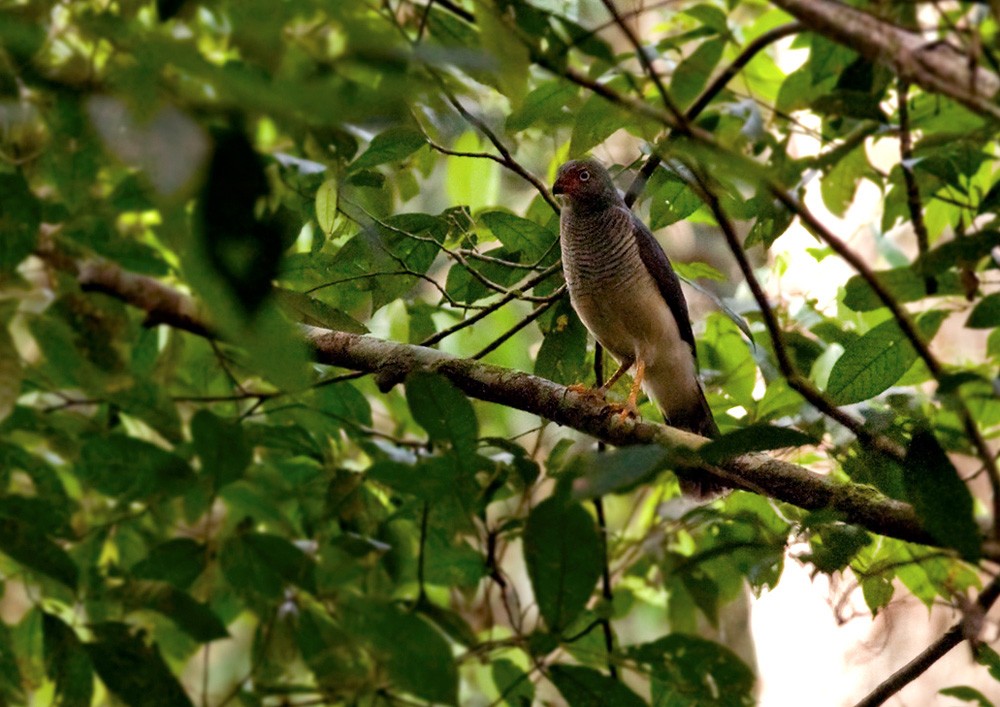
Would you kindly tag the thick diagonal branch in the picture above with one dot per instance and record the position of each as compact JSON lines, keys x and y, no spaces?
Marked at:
{"x":934,"y":66}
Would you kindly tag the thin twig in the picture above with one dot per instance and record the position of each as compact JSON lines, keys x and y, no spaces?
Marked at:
{"x":912,"y":190}
{"x":934,"y":652}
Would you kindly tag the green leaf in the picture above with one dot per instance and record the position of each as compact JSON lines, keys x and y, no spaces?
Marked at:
{"x":939,"y":496}
{"x":67,"y":663}
{"x":260,"y":563}
{"x":415,"y":657}
{"x":443,"y":411}
{"x":616,"y":470}
{"x":698,"y":271}
{"x":20,"y":216}
{"x":755,"y":438}
{"x":179,"y":561}
{"x":133,"y":670}
{"x":513,"y":684}
{"x":693,"y":72}
{"x":37,"y":552}
{"x":585,"y":687}
{"x":545,"y":104}
{"x":988,"y":658}
{"x":131,"y":468}
{"x":904,"y":284}
{"x":966,"y":694}
{"x":392,"y":145}
{"x":595,"y":121}
{"x":326,"y":206}
{"x":966,"y":250}
{"x":986,"y":313}
{"x":878,"y":592}
{"x":313,"y":312}
{"x":873,"y":363}
{"x":563,"y":555}
{"x":688,"y":670}
{"x":520,"y":237}
{"x":192,"y":617}
{"x":221,"y":446}
{"x":563,"y":355}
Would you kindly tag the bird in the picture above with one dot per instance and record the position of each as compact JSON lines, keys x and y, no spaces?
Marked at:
{"x":625,"y":291}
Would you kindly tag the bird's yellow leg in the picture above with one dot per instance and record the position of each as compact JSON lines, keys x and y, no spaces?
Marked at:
{"x":626,"y":364}
{"x":631,"y":410}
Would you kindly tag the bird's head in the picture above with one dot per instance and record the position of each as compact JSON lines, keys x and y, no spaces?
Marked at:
{"x":585,"y":182}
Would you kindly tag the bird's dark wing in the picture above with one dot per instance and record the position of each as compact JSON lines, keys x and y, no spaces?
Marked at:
{"x":658,"y":265}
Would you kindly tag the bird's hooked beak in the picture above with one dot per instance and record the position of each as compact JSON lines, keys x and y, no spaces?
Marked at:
{"x":560,"y":186}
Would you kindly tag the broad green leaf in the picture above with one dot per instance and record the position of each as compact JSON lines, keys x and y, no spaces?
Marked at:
{"x":967,"y":250}
{"x":191,"y":616}
{"x":393,"y":145}
{"x":693,"y":72}
{"x":313,"y":312}
{"x":563,"y":355}
{"x":11,"y":681}
{"x":443,"y":411}
{"x":904,"y":284}
{"x":873,"y":363}
{"x":563,"y":555}
{"x":585,"y":687}
{"x":834,"y":546}
{"x":472,"y":181}
{"x":698,"y":271}
{"x":130,"y":468}
{"x":596,"y":120}
{"x":34,"y":550}
{"x":513,"y":684}
{"x":133,"y":670}
{"x":67,"y":663}
{"x":616,"y":470}
{"x":986,"y":313}
{"x":520,"y":236}
{"x":414,"y":656}
{"x":688,"y":670}
{"x":939,"y":496}
{"x":221,"y":446}
{"x":545,"y":104}
{"x":179,"y":561}
{"x":755,"y":438}
{"x":988,"y":658}
{"x":877,"y":591}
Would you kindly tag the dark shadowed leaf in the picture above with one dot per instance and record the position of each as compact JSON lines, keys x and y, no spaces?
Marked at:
{"x":416,"y":658}
{"x":563,"y":354}
{"x":179,"y":561}
{"x":67,"y":663}
{"x":259,"y":563}
{"x":442,"y":410}
{"x":221,"y":446}
{"x":311,"y":311}
{"x":585,"y":687}
{"x":191,"y":616}
{"x":563,"y":555}
{"x":19,"y":219}
{"x":616,"y":470}
{"x":755,"y":438}
{"x":513,"y":684}
{"x":37,"y":552}
{"x":131,"y":468}
{"x":133,"y":670}
{"x":986,"y":313}
{"x":939,"y":496}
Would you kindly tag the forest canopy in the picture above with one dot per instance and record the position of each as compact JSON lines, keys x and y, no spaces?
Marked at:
{"x":285,"y":341}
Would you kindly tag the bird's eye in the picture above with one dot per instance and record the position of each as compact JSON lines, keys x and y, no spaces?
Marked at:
{"x":584,"y":176}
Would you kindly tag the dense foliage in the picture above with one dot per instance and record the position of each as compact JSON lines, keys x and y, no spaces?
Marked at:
{"x":220,"y":520}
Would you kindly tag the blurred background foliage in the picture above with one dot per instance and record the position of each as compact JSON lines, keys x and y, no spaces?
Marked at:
{"x":186,"y":520}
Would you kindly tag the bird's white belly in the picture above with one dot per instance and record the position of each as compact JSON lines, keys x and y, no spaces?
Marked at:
{"x":634,"y":321}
